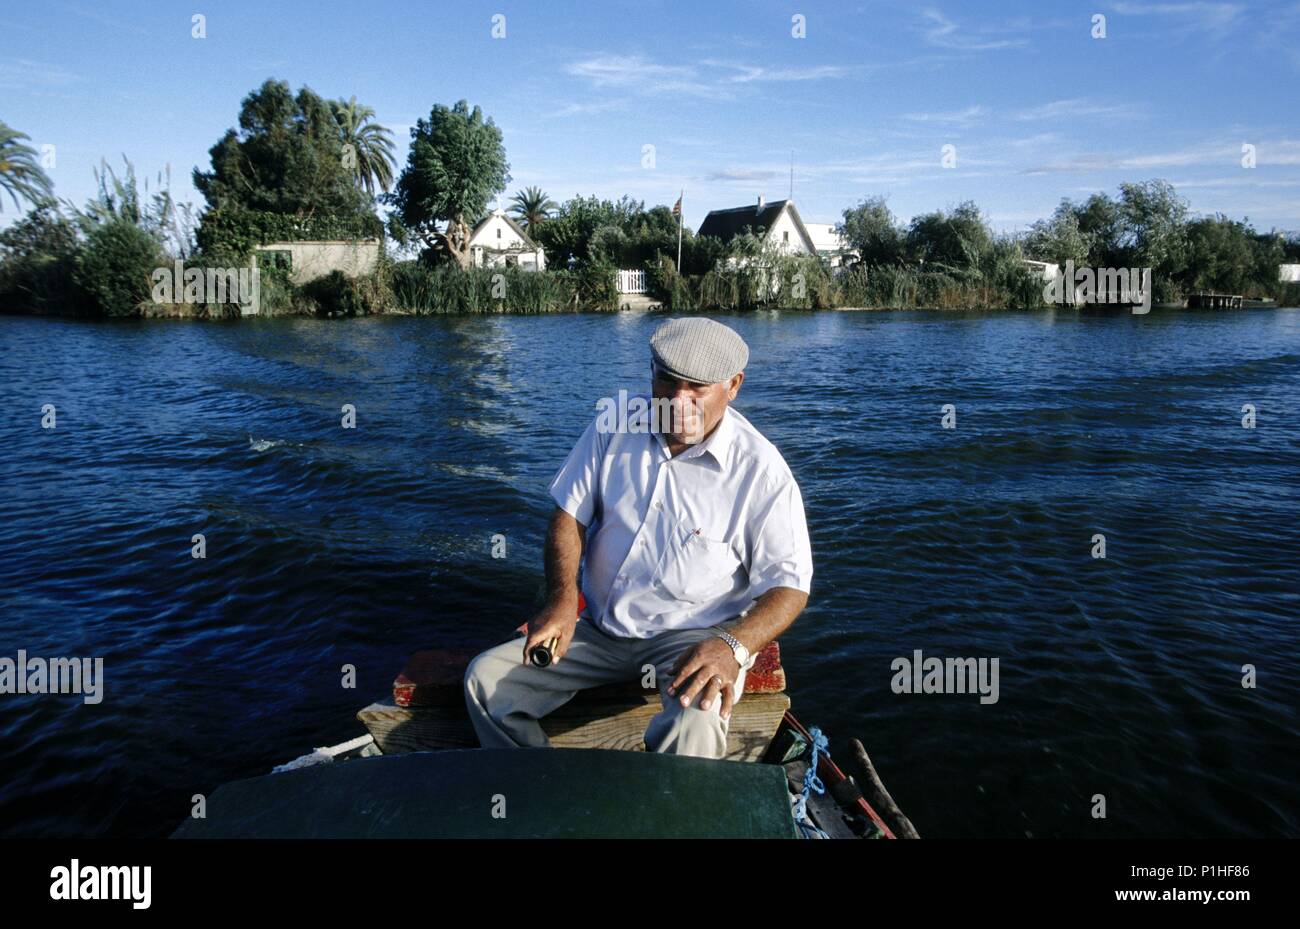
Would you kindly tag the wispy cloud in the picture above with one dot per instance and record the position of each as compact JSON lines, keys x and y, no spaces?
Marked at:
{"x":710,"y":79}
{"x":122,"y":22}
{"x":1206,"y":16}
{"x":1037,"y":140}
{"x":19,"y":73}
{"x":1280,"y":152}
{"x":745,"y":73}
{"x":640,"y":75}
{"x":1214,"y":183}
{"x":740,"y":174}
{"x":950,"y":118}
{"x":588,"y":109}
{"x":1075,"y":108}
{"x":945,"y":33}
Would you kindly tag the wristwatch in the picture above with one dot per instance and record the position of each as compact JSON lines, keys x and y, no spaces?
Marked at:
{"x":741,"y":653}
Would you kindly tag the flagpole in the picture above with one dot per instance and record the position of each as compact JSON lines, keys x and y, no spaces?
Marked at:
{"x":679,"y":233}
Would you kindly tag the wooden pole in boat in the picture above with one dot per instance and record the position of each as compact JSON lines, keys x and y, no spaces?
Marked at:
{"x":878,"y":796}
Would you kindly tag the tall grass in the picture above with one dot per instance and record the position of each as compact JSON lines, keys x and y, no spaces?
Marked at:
{"x":442,"y":289}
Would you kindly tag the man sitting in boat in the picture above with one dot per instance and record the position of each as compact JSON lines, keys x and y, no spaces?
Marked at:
{"x":693,"y":550}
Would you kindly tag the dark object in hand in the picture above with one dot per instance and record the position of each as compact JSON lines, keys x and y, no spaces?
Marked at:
{"x":541,"y":655}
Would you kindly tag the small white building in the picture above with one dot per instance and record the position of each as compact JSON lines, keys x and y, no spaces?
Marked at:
{"x":1288,"y":274}
{"x":307,"y":261}
{"x":831,"y":247}
{"x":498,"y":241}
{"x":777,"y":224}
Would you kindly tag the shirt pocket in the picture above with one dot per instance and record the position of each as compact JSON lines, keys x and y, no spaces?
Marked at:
{"x":697,"y":567}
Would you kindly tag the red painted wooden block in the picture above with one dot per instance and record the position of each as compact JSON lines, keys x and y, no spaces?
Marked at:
{"x":435,"y":677}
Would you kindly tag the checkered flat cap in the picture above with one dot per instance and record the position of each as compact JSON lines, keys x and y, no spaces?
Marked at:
{"x":694,"y":348}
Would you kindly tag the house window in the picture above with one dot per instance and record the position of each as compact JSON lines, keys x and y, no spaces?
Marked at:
{"x":498,"y":232}
{"x":785,"y":236}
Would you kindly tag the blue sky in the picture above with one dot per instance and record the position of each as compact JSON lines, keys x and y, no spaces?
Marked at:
{"x":1035,"y":107}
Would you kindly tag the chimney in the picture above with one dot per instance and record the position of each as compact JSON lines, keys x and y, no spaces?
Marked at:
{"x":759,"y":208}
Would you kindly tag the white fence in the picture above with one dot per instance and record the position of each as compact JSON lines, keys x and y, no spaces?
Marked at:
{"x":631,"y":282}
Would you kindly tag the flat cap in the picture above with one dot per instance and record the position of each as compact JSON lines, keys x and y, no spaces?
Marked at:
{"x":697,"y":349}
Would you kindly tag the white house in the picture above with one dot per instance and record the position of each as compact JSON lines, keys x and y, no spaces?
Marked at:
{"x":1288,"y":274}
{"x":777,"y":223}
{"x":498,"y":241}
{"x":307,"y":261}
{"x":831,"y":247}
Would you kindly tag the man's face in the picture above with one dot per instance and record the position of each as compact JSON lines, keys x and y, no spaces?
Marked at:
{"x":696,"y":408}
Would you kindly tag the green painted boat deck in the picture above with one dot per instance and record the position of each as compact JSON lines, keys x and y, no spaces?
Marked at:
{"x":548,"y":793}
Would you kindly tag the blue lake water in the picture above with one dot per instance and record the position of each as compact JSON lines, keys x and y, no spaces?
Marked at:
{"x":1119,"y":676}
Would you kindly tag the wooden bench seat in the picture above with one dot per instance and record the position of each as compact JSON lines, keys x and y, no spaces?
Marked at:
{"x":434,"y":677}
{"x":428,"y":709}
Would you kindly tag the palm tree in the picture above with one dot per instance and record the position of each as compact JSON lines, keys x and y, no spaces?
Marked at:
{"x":371,"y":150}
{"x":20,"y":171}
{"x":532,"y":207}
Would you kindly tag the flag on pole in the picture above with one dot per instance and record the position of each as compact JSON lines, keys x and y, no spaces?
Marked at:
{"x":677,"y":207}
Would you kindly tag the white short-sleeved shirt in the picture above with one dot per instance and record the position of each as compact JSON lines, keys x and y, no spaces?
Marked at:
{"x":685,"y":542}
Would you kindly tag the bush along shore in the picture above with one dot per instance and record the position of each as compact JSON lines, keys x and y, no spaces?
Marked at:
{"x":305,"y":177}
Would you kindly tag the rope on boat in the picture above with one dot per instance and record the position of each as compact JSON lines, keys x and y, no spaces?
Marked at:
{"x":812,"y":782}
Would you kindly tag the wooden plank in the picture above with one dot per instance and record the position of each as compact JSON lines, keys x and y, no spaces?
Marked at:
{"x":876,"y":794}
{"x":587,"y":721}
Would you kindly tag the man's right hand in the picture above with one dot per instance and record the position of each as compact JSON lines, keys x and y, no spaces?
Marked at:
{"x":556,"y":620}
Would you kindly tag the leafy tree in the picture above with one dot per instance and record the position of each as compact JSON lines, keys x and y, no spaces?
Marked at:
{"x":1220,"y":255}
{"x":653,"y":232}
{"x":532,"y":207}
{"x":115,"y":265}
{"x":285,"y":159}
{"x":701,"y":254}
{"x":1060,"y":238}
{"x":956,"y":240}
{"x":367,"y":148}
{"x":21,"y":174}
{"x":43,"y":231}
{"x":457,"y":163}
{"x":1290,"y":246}
{"x":38,"y":256}
{"x":608,"y":245}
{"x":870,"y":228}
{"x":1269,"y":252}
{"x":568,"y":234}
{"x":1091,"y":233}
{"x":1154,"y":220}
{"x":1101,"y":224}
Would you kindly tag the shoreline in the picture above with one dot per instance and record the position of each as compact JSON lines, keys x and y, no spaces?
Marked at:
{"x":203,"y":317}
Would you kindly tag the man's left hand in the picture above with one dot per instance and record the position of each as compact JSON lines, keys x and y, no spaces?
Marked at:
{"x":710,"y":666}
